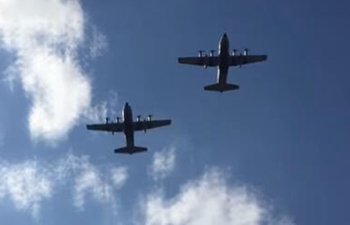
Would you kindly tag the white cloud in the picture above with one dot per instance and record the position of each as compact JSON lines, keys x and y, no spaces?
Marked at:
{"x":207,"y":201}
{"x":59,"y":93}
{"x":119,"y":176}
{"x":204,"y":201}
{"x":98,"y":43}
{"x":26,"y":184}
{"x":90,"y":181}
{"x":45,"y":36}
{"x":104,"y":109}
{"x":163,"y":163}
{"x":30,"y":183}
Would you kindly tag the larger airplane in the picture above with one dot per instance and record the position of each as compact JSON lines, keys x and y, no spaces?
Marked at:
{"x":128,"y":126}
{"x":222,"y":61}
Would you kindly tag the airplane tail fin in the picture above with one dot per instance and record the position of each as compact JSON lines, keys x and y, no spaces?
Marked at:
{"x":221,"y":87}
{"x":130,"y":150}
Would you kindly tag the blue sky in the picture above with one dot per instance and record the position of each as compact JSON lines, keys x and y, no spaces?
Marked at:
{"x":274,"y":152}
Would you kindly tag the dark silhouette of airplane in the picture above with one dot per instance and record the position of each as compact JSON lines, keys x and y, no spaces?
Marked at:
{"x":222,"y":61}
{"x":128,"y":126}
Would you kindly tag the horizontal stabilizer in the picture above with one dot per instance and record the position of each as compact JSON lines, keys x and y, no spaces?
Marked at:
{"x":130,"y":150}
{"x":221,"y":87}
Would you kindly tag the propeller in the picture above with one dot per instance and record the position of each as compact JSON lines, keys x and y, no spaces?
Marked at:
{"x":234,"y":52}
{"x":245,"y":51}
{"x":212,"y":52}
{"x":200,"y":54}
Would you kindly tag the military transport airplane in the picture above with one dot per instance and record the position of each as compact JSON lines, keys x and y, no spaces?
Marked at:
{"x":222,"y":61}
{"x":128,"y":126}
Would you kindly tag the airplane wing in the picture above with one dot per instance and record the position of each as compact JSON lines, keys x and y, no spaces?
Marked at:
{"x":145,"y":125}
{"x":109,"y":127}
{"x":246,"y":59}
{"x":210,"y":61}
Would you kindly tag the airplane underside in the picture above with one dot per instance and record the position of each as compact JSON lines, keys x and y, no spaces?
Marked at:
{"x":223,"y":61}
{"x":221,"y":87}
{"x":130,"y":147}
{"x":130,"y":150}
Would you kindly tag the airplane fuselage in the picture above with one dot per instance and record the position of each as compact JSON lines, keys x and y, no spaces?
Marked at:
{"x":128,"y":125}
{"x":224,"y":59}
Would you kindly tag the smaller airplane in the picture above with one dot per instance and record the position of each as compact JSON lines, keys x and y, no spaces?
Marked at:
{"x":128,"y":126}
{"x":222,"y":61}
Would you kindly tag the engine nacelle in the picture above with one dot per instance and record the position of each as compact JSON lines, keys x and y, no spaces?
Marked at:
{"x":212,"y":53}
{"x":234,"y":52}
{"x":245,"y":53}
{"x":118,"y":119}
{"x":145,"y":128}
{"x":200,"y":54}
{"x":149,"y":117}
{"x":107,"y":120}
{"x":138,"y":118}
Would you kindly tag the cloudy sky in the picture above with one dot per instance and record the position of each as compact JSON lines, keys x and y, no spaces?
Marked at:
{"x":276,"y":152}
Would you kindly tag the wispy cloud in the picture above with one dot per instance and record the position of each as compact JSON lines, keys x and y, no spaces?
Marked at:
{"x":163,"y":163}
{"x":119,"y":176}
{"x":207,"y":201}
{"x":104,"y":109}
{"x":26,"y":184}
{"x":45,"y":36}
{"x":98,"y":43}
{"x":30,"y":183}
{"x":91,"y":181}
